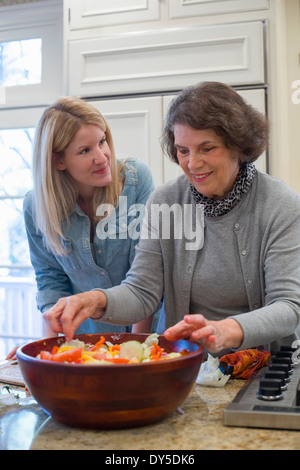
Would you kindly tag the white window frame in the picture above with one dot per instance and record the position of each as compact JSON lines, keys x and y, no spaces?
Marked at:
{"x":35,"y":20}
{"x":21,"y":107}
{"x":23,"y":321}
{"x":23,"y":118}
{"x":20,"y":118}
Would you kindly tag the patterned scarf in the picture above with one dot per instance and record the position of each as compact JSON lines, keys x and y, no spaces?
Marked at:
{"x":217,"y":207}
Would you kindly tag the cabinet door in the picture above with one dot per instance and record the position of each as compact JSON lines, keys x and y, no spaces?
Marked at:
{"x":191,"y":8}
{"x":167,"y":59}
{"x":86,"y":14}
{"x":255,"y":97}
{"x":136,"y":126}
{"x":171,"y":169}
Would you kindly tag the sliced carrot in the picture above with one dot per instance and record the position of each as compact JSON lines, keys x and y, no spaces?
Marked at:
{"x":156,"y":351}
{"x":98,"y":344}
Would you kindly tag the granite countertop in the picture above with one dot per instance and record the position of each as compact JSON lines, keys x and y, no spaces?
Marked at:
{"x":199,"y":426}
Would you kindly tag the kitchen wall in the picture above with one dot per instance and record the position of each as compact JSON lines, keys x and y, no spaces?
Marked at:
{"x":293,"y":110}
{"x":284,"y":99}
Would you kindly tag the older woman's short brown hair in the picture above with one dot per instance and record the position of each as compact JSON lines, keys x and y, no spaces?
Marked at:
{"x":214,"y":105}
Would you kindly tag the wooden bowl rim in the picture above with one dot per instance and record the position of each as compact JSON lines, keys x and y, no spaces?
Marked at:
{"x":26,"y":357}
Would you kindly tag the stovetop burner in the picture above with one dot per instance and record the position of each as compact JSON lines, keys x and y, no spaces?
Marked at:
{"x":271,"y":397}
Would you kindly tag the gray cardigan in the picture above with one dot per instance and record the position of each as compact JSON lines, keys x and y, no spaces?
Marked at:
{"x":267,"y":229}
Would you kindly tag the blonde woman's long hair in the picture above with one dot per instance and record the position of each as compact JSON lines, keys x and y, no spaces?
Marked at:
{"x":54,"y":190}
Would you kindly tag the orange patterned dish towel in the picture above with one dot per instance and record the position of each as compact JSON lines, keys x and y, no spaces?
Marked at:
{"x":245,"y":362}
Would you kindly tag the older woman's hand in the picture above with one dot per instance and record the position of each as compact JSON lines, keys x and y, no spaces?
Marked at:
{"x":214,"y":335}
{"x":69,"y":312}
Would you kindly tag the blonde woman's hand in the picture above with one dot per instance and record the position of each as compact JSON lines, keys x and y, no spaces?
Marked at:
{"x":69,"y":312}
{"x":214,"y":335}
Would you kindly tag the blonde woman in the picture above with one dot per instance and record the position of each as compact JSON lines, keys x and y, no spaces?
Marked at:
{"x":82,"y":215}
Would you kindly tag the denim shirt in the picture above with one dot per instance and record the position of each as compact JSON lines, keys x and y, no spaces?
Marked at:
{"x":101,"y":265}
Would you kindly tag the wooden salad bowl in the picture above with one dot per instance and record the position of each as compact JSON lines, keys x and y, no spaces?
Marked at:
{"x":110,"y":396}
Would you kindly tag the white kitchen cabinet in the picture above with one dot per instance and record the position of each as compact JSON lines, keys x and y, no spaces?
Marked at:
{"x":167,"y":60}
{"x":102,"y":13}
{"x":191,"y":8}
{"x":116,"y":49}
{"x":257,"y":98}
{"x":90,"y":14}
{"x":136,"y":126}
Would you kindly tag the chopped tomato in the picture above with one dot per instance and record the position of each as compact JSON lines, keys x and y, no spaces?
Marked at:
{"x":46,"y":355}
{"x":54,"y":349}
{"x":72,"y":355}
{"x":99,"y":355}
{"x":117,"y":360}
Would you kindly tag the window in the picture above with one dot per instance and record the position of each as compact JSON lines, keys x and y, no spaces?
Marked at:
{"x":31,"y":53}
{"x":20,"y":62}
{"x":19,"y":319}
{"x":15,"y":170}
{"x":30,"y":79}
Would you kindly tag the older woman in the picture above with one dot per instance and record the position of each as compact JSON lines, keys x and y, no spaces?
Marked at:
{"x":231,"y":276}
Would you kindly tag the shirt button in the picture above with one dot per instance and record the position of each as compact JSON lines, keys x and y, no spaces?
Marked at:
{"x":236,"y":226}
{"x":250,"y":281}
{"x":244,"y":252}
{"x":99,"y":252}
